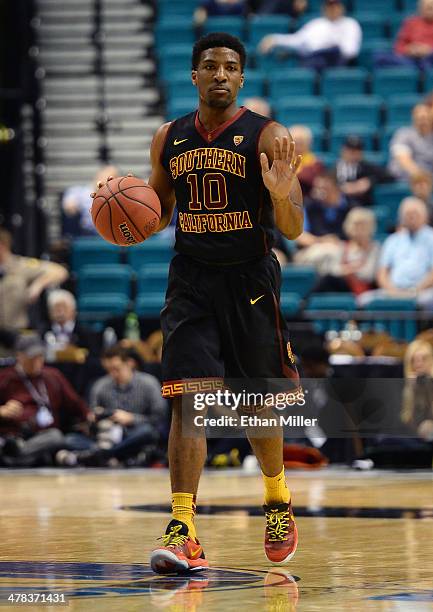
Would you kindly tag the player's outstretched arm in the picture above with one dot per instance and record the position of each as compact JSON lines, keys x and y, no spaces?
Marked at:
{"x":277,"y":146}
{"x":159,"y":179}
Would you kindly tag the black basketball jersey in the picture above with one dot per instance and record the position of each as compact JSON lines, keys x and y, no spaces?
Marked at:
{"x":225,"y":212}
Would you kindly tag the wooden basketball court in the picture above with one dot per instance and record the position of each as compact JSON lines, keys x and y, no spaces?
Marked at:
{"x":366,"y":541}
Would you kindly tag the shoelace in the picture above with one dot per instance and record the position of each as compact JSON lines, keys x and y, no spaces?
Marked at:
{"x":173,"y":538}
{"x":278,"y":525}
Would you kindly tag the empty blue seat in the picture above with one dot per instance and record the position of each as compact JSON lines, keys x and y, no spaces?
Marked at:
{"x":170,"y":8}
{"x":276,"y":61}
{"x":262,"y":25}
{"x":150,"y":304}
{"x":341,"y":303}
{"x":362,"y":110}
{"x":373,"y":25}
{"x":380,"y":7}
{"x":328,"y":159}
{"x":370,"y":48}
{"x":391,"y":81}
{"x":337,"y":81}
{"x":151,"y":251}
{"x":290,"y":304}
{"x":399,"y":109}
{"x":390,"y":195}
{"x":298,"y":279}
{"x":87,"y":251}
{"x":94,"y":308}
{"x":174,"y":60}
{"x":181,"y":106}
{"x":174,"y":30}
{"x":105,"y":278}
{"x":401,"y":328}
{"x":179,"y":85}
{"x":379,"y":158}
{"x":428,"y":84}
{"x":385,"y":219}
{"x":231,"y":25}
{"x":254,"y":84}
{"x":293,"y":83}
{"x":152,"y":278}
{"x":395,"y":22}
{"x":340,"y":133}
{"x":310,"y":110}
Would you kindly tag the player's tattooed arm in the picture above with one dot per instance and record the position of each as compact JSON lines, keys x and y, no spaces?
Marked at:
{"x":160,"y":179}
{"x":277,"y":146}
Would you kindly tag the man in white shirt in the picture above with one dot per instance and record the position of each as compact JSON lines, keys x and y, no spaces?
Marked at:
{"x":331,"y":40}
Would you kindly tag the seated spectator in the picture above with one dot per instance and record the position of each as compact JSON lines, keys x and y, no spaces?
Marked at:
{"x":406,"y":261}
{"x":63,"y":329}
{"x":411,"y":148}
{"x":417,"y":405}
{"x":331,"y":40}
{"x":219,"y":8}
{"x":311,"y":166}
{"x":353,"y":264}
{"x":422,"y":187}
{"x":130,"y":412}
{"x":324,"y":214}
{"x":414,"y":44}
{"x":293,"y":8}
{"x":355,"y":175}
{"x":259,"y":106}
{"x":40,"y":413}
{"x":76,"y":202}
{"x":22,"y":281}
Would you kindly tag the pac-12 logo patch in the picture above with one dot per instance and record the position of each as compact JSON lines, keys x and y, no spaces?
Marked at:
{"x":237,"y":140}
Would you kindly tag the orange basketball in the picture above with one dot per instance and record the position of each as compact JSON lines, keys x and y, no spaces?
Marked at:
{"x":126,"y":211}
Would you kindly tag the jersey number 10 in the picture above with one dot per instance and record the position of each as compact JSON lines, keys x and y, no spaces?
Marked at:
{"x":214,"y":191}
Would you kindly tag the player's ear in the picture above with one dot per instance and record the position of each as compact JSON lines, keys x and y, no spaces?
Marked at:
{"x":242,"y":80}
{"x":194,"y":77}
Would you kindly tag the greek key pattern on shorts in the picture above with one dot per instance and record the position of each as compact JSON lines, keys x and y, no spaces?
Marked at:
{"x":172,"y":388}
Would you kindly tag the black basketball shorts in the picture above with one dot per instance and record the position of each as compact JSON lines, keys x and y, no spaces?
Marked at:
{"x":224,"y":322}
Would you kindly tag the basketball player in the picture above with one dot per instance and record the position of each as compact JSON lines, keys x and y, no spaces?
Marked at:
{"x":232,"y":174}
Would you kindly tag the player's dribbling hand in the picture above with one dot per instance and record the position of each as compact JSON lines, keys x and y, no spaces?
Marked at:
{"x":100,"y":184}
{"x":279,"y":177}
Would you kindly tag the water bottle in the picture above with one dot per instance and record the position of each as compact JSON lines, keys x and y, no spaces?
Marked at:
{"x":132,"y":327}
{"x":109,"y":337}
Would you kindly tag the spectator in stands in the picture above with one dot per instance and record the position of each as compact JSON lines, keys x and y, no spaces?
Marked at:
{"x":293,"y":8}
{"x":63,"y":329}
{"x":414,"y":44}
{"x":422,"y":187}
{"x":22,"y":281}
{"x":311,"y":166}
{"x":353,"y":264}
{"x":331,"y":40}
{"x":411,"y":148}
{"x":130,"y":412}
{"x":40,"y":413}
{"x":76,"y":202}
{"x":258,"y":105}
{"x":417,"y":405}
{"x":406,"y":261}
{"x":355,"y":175}
{"x":324,"y":214}
{"x":219,"y":8}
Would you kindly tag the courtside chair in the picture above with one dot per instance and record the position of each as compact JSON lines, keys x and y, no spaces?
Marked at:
{"x":374,"y":25}
{"x":293,"y":83}
{"x":231,"y":25}
{"x":338,"y":81}
{"x":298,"y":279}
{"x":149,"y":305}
{"x":290,"y":304}
{"x":101,"y":279}
{"x":395,"y":81}
{"x":361,"y":110}
{"x":340,"y":133}
{"x":93,"y":251}
{"x":399,"y":328}
{"x":152,"y":278}
{"x":399,"y":109}
{"x":380,"y":7}
{"x":303,"y":109}
{"x":343,"y":304}
{"x":176,"y":29}
{"x":150,"y":252}
{"x":262,"y":25}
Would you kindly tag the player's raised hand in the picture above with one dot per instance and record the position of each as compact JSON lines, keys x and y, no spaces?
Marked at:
{"x":279,"y":177}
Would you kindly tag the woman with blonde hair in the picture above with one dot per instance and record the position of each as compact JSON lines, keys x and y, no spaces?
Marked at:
{"x":417,"y":405}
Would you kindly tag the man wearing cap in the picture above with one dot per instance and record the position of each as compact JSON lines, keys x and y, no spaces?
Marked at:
{"x":356,"y":176}
{"x":330,"y":40}
{"x":38,"y":407}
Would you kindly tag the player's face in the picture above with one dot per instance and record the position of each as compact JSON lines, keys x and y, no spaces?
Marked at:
{"x":218,"y":77}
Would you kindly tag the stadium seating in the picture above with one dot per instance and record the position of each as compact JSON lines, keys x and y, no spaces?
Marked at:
{"x":291,"y":83}
{"x":380,"y":7}
{"x":152,"y":251}
{"x":297,"y":109}
{"x":392,"y":81}
{"x":373,"y":25}
{"x":262,"y":25}
{"x":370,"y":48}
{"x":149,"y":304}
{"x":339,"y":134}
{"x":254,"y":84}
{"x":390,"y":195}
{"x":168,"y":8}
{"x":337,"y":81}
{"x":174,"y":59}
{"x":399,"y":109}
{"x":181,"y":106}
{"x":87,"y":251}
{"x":290,"y":304}
{"x":361,"y":110}
{"x":231,"y":25}
{"x":174,"y":29}
{"x":338,"y":302}
{"x":152,"y":278}
{"x":400,"y":328}
{"x":298,"y":279}
{"x":99,"y":308}
{"x":105,"y":279}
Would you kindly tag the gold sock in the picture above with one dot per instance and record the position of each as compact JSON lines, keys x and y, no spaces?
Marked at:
{"x":183,"y":509}
{"x":276,"y":491}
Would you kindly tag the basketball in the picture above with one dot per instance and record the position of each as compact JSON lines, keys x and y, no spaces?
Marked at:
{"x":126,"y":211}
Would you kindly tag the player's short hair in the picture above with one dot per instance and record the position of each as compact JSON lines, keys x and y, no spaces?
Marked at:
{"x":217,"y":39}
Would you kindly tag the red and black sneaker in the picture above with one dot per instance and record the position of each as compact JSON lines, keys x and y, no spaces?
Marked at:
{"x":179,"y":553}
{"x":281,"y":535}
